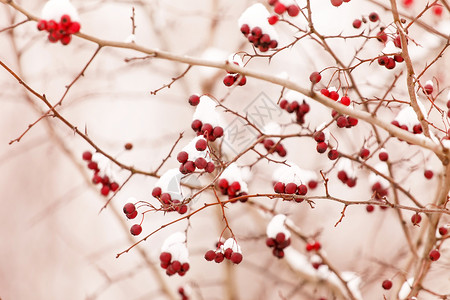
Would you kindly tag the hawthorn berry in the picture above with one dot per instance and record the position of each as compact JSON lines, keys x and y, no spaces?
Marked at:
{"x":87,"y":155}
{"x":370,"y":208}
{"x":387,"y":284}
{"x":245,"y":29}
{"x":434,"y":254}
{"x":219,"y":257}
{"x":128,"y":146}
{"x":301,"y":190}
{"x":200,"y":163}
{"x":210,"y":167}
{"x":334,"y":95}
{"x":383,"y":156}
{"x":345,"y":100}
{"x":336,"y":2}
{"x":319,"y":136}
{"x":182,"y":157}
{"x":229,"y":80}
{"x":210,"y":255}
{"x":156,"y":192}
{"x":416,"y":218}
{"x":443,"y":231}
{"x":105,"y":190}
{"x":218,"y":132}
{"x":279,"y":187}
{"x":201,"y":145}
{"x":290,"y":188}
{"x":194,"y":100}
{"x":333,"y":154}
{"x":293,"y":10}
{"x":428,"y":88}
{"x":364,"y":153}
{"x":356,"y":23}
{"x":136,"y":229}
{"x":428,"y":174}
{"x":373,"y":17}
{"x":279,"y":8}
{"x":315,"y":77}
{"x":236,"y":258}
{"x":321,"y":147}
{"x":42,"y":25}
{"x":129,"y":208}
{"x":272,"y":19}
{"x":132,"y":215}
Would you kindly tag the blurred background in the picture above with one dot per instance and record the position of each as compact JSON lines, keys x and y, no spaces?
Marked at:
{"x":57,"y":243}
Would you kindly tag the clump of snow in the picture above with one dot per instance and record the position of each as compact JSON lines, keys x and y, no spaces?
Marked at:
{"x":130,"y":39}
{"x":288,"y":2}
{"x":345,"y":164}
{"x":406,"y":288}
{"x":256,"y":16}
{"x":206,"y":112}
{"x":55,"y":9}
{"x":175,"y":244}
{"x":293,"y":173}
{"x":104,"y":165}
{"x":170,"y":182}
{"x":272,"y":128}
{"x":234,"y":173}
{"x":407,"y":116}
{"x":391,"y":49}
{"x":277,"y":225}
{"x":374,"y":178}
{"x":232,"y":244}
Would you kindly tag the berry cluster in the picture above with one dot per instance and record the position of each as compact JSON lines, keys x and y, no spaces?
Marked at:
{"x":195,"y":156}
{"x":232,"y":190}
{"x":291,"y":188}
{"x":207,"y":130}
{"x":285,"y":6}
{"x":206,"y":119}
{"x":174,"y":257}
{"x":321,"y":138}
{"x":97,"y":178}
{"x":129,"y":210}
{"x":229,"y":250}
{"x":315,"y":246}
{"x":271,"y":147}
{"x":407,"y":120}
{"x":337,"y":3}
{"x":255,"y":27}
{"x":278,"y":236}
{"x":346,"y":173}
{"x":346,"y":179}
{"x":59,"y":31}
{"x":169,"y":204}
{"x":232,"y":78}
{"x":169,"y":193}
{"x":172,"y":267}
{"x":293,"y":106}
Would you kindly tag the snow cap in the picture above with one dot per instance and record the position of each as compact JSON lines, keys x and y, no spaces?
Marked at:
{"x":55,"y":9}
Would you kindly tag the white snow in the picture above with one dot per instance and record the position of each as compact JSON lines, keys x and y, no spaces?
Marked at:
{"x":272,"y":128}
{"x":232,"y":244}
{"x":234,"y":173}
{"x":277,"y":225}
{"x":170,"y":183}
{"x":345,"y":164}
{"x":175,"y":244}
{"x":406,"y":288}
{"x":383,"y":169}
{"x":206,"y":112}
{"x":54,"y":9}
{"x":288,"y":2}
{"x":293,"y":173}
{"x":256,"y":16}
{"x":407,"y":116}
{"x":130,"y":39}
{"x":391,"y":49}
{"x":430,"y":82}
{"x":104,"y":165}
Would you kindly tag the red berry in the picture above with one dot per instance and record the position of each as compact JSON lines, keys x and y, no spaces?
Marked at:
{"x":228,"y":252}
{"x":136,"y":229}
{"x":245,"y":29}
{"x":104,"y":190}
{"x":87,"y":155}
{"x":370,"y":208}
{"x":293,"y":10}
{"x":357,"y":23}
{"x":428,"y":88}
{"x":383,"y":156}
{"x":270,"y":242}
{"x":42,"y":25}
{"x":382,"y":37}
{"x":278,"y":253}
{"x":334,"y":95}
{"x":207,"y":129}
{"x":194,"y":100}
{"x":398,"y":58}
{"x":279,"y":8}
{"x":210,"y":167}
{"x":364,"y":153}
{"x":66,"y":20}
{"x":443,"y":231}
{"x":317,"y":246}
{"x":114,"y":186}
{"x":128,"y":146}
{"x":210,"y":255}
{"x":189,"y":166}
{"x":301,"y":190}
{"x":352,"y":121}
{"x":132,"y":215}
{"x":200,"y":163}
{"x":336,"y":2}
{"x":322,"y":147}
{"x":268,"y":144}
{"x":428,"y":174}
{"x":279,"y":187}
{"x":182,"y":209}
{"x":387,"y":284}
{"x":319,"y":136}
{"x":438,"y":9}
{"x":182,"y":157}
{"x":312,"y":184}
{"x":284,"y":103}
{"x":416,"y":218}
{"x":165,"y":257}
{"x":201,"y":145}
{"x":229,"y":80}
{"x":342,"y":176}
{"x":383,"y":60}
{"x":218,"y":132}
{"x":345,"y":100}
{"x":219,"y":257}
{"x":129,"y":208}
{"x":315,"y":77}
{"x":351,"y":182}
{"x":280,"y":238}
{"x":342,"y":122}
{"x":290,"y":188}
{"x":333,"y":154}
{"x":434,"y":254}
{"x":236,"y":258}
{"x":196,"y":125}
{"x":272,"y":19}
{"x":417,"y":129}
{"x":373,"y":17}
{"x":166,"y":198}
{"x":156,"y":192}
{"x":235,"y":187}
{"x":74,"y":28}
{"x":325,"y":92}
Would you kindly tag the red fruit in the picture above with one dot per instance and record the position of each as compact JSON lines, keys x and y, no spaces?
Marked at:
{"x":279,"y":187}
{"x":165,"y":257}
{"x":228,"y":253}
{"x":390,"y":64}
{"x":279,"y":8}
{"x":200,"y":163}
{"x":182,"y":209}
{"x":342,"y":122}
{"x":370,"y":208}
{"x":210,"y":255}
{"x":201,"y":145}
{"x":280,"y":238}
{"x":242,"y":81}
{"x":351,"y":182}
{"x":322,"y":147}
{"x":387,"y":284}
{"x":272,"y":19}
{"x":417,"y":129}
{"x":273,"y":44}
{"x":312,"y":184}
{"x":219,"y":257}
{"x":416,"y":218}
{"x":373,"y":17}
{"x":345,"y":100}
{"x":407,"y":2}
{"x":257,"y":32}
{"x":281,"y":151}
{"x":278,"y":253}
{"x":443,"y":231}
{"x":284,"y":103}
{"x":96,"y":179}
{"x":383,"y":156}
{"x":66,"y":20}
{"x":309,"y":247}
{"x":223,"y":183}
{"x":194,"y":100}
{"x":319,"y":136}
{"x":156,"y":192}
{"x":51,"y":26}
{"x":245,"y":29}
{"x":270,"y":242}
{"x":383,"y":60}
{"x":207,"y":129}
{"x":352,"y":121}
{"x":336,"y":2}
{"x":184,"y":268}
{"x":428,"y":88}
{"x":87,"y":155}
{"x":434,"y":254}
{"x":73,"y":28}
{"x":182,"y":157}
{"x":293,"y":10}
{"x":128,"y":146}
{"x":196,"y":125}
{"x":382,"y":36}
{"x":325,"y":92}
{"x":104,"y":190}
{"x":333,"y":154}
{"x":290,"y":188}
{"x":398,"y":58}
{"x":114,"y":186}
{"x":304,"y":108}
{"x":236,"y":258}
{"x":342,"y":175}
{"x":42,"y":25}
{"x":364,"y":153}
{"x":315,"y":77}
{"x":210,"y":167}
{"x":334,"y":95}
{"x":129,"y":208}
{"x":229,"y":80}
{"x":218,"y":132}
{"x":428,"y":174}
{"x":357,"y":23}
{"x":235,"y":186}
{"x":301,"y":190}
{"x":268,"y":144}
{"x":272,"y":2}
{"x":132,"y":215}
{"x":437,"y":10}
{"x":136,"y":229}
{"x":317,"y":246}
{"x":166,"y":198}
